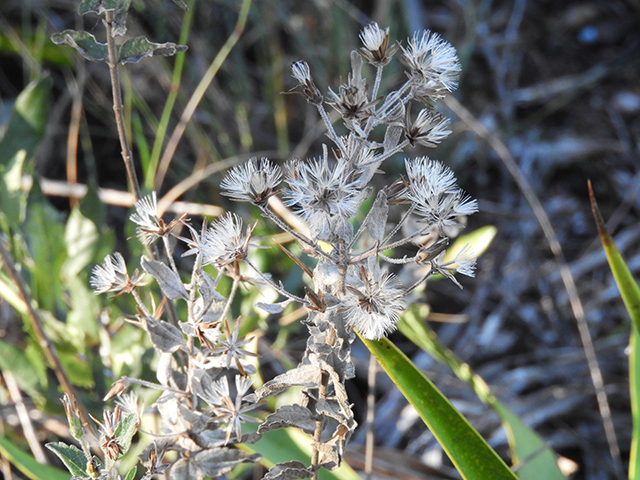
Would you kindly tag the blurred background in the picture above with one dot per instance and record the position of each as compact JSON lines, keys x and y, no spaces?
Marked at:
{"x":556,"y":83}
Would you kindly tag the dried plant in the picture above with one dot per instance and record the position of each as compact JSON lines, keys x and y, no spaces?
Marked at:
{"x":353,"y":290}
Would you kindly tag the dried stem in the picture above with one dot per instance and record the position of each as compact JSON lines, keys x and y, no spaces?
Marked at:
{"x":322,"y":394}
{"x":127,"y":156}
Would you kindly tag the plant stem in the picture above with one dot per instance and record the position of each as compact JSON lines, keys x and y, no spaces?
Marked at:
{"x":322,"y":394}
{"x":117,"y":108}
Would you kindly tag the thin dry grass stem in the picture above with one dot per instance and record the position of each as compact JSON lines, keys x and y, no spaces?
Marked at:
{"x":24,"y":418}
{"x":567,"y":277}
{"x":371,"y":416}
{"x":74,"y":131}
{"x":36,"y":323}
{"x":120,"y":198}
{"x":198,"y":94}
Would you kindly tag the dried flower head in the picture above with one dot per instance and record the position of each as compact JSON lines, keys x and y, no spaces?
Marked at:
{"x":254,"y":182}
{"x":150,"y":224}
{"x":227,"y":410}
{"x":112,"y":276}
{"x":428,"y":129}
{"x":433,"y":63}
{"x":376,"y":306}
{"x":437,"y":198}
{"x":464,"y":263}
{"x":232,"y":347}
{"x":301,"y":73}
{"x":376,"y":48}
{"x":352,"y":100}
{"x":325,"y":193}
{"x":225,"y":242}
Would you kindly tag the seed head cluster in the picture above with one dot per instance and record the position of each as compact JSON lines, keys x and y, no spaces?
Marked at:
{"x":360,"y":239}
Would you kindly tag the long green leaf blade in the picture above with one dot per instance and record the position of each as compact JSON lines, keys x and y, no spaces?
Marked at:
{"x":536,"y":458}
{"x":469,"y":452}
{"x":28,"y":465}
{"x":630,"y":293}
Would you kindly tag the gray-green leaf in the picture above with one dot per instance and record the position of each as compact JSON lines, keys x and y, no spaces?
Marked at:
{"x":101,"y":6}
{"x":71,"y":456}
{"x":290,"y":416}
{"x":164,"y":336}
{"x":85,"y":43}
{"x":377,"y":220}
{"x":292,"y":470}
{"x":135,"y":49}
{"x":169,"y":281}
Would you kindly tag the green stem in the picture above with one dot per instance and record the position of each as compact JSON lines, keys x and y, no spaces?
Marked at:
{"x":176,"y":77}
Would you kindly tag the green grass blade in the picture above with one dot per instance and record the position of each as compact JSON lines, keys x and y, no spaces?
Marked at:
{"x":535,"y":458}
{"x":469,"y":452}
{"x":28,"y":465}
{"x":630,"y":293}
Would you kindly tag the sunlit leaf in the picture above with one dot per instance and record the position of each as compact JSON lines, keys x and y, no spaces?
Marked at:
{"x":27,"y":375}
{"x":469,"y":452}
{"x":28,"y":465}
{"x":169,"y":281}
{"x":125,"y":431}
{"x":80,"y":236}
{"x":71,"y":456}
{"x":526,"y":444}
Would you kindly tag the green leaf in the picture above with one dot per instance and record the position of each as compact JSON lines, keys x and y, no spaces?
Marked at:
{"x":25,"y":130}
{"x":538,"y":460}
{"x":44,"y":233}
{"x":27,"y":375}
{"x":135,"y":49}
{"x":630,"y":293}
{"x":12,"y":198}
{"x":125,"y":431}
{"x":80,"y":236}
{"x":469,"y":452}
{"x":77,"y":369}
{"x":28,"y":465}
{"x":72,"y":457}
{"x":28,"y":121}
{"x":85,"y":43}
{"x":132,"y":474}
{"x":81,"y":322}
{"x":479,"y":240}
